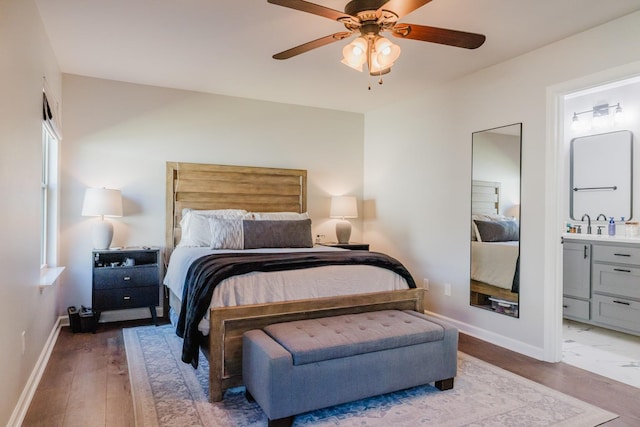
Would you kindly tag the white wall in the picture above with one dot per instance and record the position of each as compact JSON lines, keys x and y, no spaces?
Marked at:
{"x":120,"y":135}
{"x":418,"y":190}
{"x":25,"y":58}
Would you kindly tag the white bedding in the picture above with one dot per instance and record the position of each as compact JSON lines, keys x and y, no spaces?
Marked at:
{"x":262,"y":287}
{"x":494,"y":263}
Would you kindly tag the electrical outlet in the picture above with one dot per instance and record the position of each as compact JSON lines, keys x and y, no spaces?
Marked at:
{"x":24,"y":342}
{"x":447,"y":289}
{"x":425,"y":284}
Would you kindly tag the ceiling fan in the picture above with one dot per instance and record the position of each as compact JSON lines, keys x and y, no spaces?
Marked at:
{"x":369,"y":18}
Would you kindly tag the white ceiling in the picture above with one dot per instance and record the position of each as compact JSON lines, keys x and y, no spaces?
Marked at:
{"x":225,"y":46}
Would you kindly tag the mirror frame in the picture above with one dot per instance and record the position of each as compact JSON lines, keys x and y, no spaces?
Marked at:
{"x":498,"y":299}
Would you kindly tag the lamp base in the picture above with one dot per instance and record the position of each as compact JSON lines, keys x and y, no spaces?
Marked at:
{"x":343,"y":231}
{"x":102,"y":234}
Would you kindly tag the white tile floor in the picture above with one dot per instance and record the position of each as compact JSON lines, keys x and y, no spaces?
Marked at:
{"x":609,"y":353}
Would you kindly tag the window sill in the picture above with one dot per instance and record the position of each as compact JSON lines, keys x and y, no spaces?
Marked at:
{"x":49,"y":277}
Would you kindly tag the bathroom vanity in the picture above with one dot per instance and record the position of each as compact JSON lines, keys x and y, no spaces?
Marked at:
{"x":601,"y":281}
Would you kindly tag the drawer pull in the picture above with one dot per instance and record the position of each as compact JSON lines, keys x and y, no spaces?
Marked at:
{"x":126,"y":298}
{"x":627,"y":255}
{"x":565,"y":306}
{"x":126,"y":278}
{"x":622,"y":270}
{"x":621,"y":302}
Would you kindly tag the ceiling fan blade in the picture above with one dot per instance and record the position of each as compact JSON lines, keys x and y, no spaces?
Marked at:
{"x":402,"y":7}
{"x":438,"y":35}
{"x":306,"y":47}
{"x":313,"y":8}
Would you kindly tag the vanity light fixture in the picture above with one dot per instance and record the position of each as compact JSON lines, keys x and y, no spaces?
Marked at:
{"x":600,"y":116}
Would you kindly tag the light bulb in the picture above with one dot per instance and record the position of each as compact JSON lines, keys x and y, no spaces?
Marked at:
{"x":619,"y":117}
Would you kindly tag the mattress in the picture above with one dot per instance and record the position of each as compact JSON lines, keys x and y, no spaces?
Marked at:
{"x":265,"y":287}
{"x":494,"y":263}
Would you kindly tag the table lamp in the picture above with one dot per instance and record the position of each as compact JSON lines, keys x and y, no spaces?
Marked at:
{"x":102,"y":202}
{"x":343,"y":207}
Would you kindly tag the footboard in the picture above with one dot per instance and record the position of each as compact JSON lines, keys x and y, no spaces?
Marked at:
{"x":229,"y":323}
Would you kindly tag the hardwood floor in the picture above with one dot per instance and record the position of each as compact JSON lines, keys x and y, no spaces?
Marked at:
{"x":86,"y":382}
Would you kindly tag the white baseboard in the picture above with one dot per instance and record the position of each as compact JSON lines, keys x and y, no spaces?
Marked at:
{"x":20,"y":411}
{"x":493,"y":338}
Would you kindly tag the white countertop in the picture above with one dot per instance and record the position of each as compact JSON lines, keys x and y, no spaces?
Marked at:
{"x":601,"y":237}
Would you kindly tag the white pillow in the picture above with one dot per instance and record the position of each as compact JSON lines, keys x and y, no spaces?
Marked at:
{"x":216,"y":212}
{"x":279,"y":216}
{"x":195,"y":227}
{"x":226,"y":232}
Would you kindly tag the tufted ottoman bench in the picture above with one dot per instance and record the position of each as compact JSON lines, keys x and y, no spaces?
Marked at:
{"x":295,"y":367}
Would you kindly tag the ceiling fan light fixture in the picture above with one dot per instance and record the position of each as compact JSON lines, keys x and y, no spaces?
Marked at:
{"x":382,"y":55}
{"x":370,"y":18}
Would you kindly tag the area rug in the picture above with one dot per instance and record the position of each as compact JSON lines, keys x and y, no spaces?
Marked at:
{"x":167,"y":392}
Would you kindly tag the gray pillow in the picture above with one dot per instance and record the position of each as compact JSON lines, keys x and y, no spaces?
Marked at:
{"x":277,"y":234}
{"x":498,"y":231}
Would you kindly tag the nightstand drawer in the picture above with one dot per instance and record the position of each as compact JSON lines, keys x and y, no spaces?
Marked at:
{"x":113,"y":299}
{"x":121,"y":277}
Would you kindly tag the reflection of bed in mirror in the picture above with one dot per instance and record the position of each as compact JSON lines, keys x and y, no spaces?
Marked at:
{"x":494,"y":248}
{"x":267,"y":190}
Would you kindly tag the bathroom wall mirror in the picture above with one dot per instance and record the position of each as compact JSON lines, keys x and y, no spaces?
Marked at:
{"x":602,"y":176}
{"x":495,"y":219}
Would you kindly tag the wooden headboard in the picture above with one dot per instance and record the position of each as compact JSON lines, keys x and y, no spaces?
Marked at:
{"x":485,"y":197}
{"x":256,"y":189}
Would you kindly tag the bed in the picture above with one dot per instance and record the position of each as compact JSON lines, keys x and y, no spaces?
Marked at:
{"x":232,"y":309}
{"x":495,"y":247}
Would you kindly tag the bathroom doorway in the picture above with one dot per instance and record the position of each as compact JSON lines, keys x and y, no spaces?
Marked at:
{"x":607,"y":352}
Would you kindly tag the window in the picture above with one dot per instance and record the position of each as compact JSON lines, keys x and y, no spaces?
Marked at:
{"x":48,"y":145}
{"x":49,"y":189}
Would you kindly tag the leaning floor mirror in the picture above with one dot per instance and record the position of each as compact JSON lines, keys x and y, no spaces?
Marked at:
{"x":495,"y":219}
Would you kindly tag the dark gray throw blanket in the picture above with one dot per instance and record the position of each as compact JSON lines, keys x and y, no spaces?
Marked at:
{"x":207,"y":272}
{"x":515,"y":286}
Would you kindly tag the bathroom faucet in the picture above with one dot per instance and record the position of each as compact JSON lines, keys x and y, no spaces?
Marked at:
{"x":588,"y":223}
{"x":603,"y":217}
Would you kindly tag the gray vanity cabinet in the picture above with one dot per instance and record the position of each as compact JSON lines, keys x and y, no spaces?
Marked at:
{"x":576,"y":282}
{"x":601,"y":284}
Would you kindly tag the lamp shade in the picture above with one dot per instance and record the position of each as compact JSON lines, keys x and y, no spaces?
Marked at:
{"x":102,"y":202}
{"x":343,"y":207}
{"x":385,"y":54}
{"x":355,"y":54}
